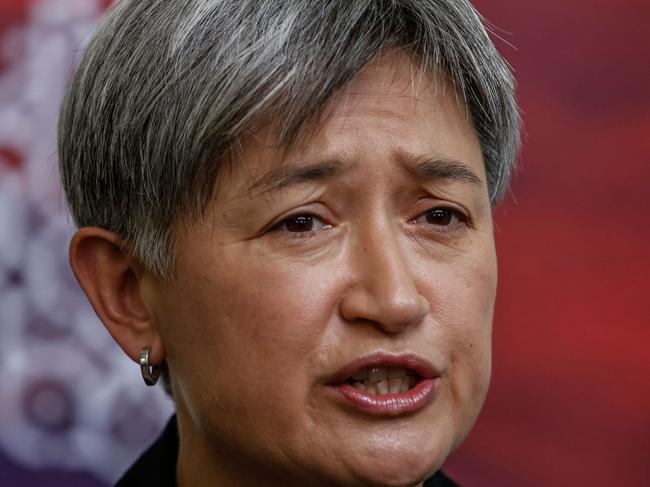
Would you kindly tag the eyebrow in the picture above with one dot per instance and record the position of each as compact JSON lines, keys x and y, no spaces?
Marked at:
{"x":428,"y":169}
{"x":287,"y":175}
{"x":446,"y":169}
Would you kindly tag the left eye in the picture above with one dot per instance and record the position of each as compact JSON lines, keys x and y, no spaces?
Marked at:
{"x":441,"y":216}
{"x":301,"y":223}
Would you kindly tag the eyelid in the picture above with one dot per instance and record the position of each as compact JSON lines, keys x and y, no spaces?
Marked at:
{"x":463,"y":216}
{"x":277,"y":226}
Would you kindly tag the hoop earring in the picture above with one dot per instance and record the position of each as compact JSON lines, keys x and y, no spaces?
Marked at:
{"x":150,"y":374}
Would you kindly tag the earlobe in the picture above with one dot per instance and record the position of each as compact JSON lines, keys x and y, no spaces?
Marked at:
{"x":111,"y":279}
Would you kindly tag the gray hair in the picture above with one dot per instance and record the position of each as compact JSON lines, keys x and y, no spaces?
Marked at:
{"x":165,"y":89}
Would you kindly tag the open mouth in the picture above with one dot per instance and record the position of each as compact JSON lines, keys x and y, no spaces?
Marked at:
{"x":378,"y":381}
{"x":387,"y":385}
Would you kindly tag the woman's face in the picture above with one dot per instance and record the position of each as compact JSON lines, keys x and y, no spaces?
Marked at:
{"x":367,"y":246}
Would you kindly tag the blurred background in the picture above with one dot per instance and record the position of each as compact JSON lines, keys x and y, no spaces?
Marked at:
{"x":570,"y":397}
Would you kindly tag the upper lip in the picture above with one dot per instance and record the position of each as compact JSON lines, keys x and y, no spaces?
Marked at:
{"x":421,"y":366}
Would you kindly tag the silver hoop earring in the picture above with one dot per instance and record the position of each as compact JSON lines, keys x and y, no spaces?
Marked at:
{"x":150,"y":374}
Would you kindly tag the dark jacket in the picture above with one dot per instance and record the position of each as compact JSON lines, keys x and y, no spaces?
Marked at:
{"x":157,"y":466}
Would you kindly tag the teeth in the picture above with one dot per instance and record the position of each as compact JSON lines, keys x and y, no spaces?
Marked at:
{"x":383,"y":380}
{"x":394,"y":386}
{"x":390,"y":386}
{"x":361,"y":375}
{"x":394,"y":373}
{"x":378,"y":374}
{"x":370,"y":387}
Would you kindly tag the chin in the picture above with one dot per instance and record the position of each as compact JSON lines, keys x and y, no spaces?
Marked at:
{"x":395,"y":474}
{"x":396,"y":467}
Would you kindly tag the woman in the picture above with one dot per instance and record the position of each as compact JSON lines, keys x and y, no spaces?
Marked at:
{"x":285,"y":206}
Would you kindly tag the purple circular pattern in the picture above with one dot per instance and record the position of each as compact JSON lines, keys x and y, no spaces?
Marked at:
{"x":69,"y":398}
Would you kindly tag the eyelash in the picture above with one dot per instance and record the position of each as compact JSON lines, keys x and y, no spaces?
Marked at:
{"x":308,"y":219}
{"x":447,"y":213}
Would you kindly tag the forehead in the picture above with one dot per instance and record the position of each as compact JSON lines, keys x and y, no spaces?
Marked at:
{"x":392,"y":107}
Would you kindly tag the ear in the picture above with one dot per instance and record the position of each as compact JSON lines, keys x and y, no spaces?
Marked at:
{"x":112,"y":281}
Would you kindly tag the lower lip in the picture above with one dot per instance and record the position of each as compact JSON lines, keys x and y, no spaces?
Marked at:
{"x":390,"y":404}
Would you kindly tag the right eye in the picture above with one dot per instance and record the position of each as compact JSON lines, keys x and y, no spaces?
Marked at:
{"x":303,"y":223}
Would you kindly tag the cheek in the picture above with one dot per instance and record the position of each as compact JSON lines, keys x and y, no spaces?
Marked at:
{"x":258,"y":328}
{"x":280,"y":315}
{"x":464,"y":314}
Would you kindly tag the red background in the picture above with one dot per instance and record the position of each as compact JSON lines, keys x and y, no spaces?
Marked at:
{"x":570,"y":397}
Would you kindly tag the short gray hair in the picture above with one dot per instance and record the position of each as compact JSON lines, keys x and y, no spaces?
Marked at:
{"x":165,"y":89}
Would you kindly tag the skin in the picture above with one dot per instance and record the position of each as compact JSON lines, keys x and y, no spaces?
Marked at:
{"x":260,"y":315}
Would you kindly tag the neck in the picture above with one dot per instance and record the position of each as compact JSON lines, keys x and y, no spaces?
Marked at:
{"x":203,"y":461}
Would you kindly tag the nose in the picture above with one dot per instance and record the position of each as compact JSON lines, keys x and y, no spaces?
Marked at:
{"x":383,"y":290}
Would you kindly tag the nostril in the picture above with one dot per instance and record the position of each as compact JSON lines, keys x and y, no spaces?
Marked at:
{"x":391,"y":314}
